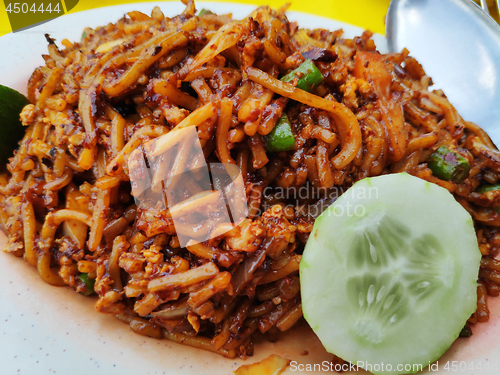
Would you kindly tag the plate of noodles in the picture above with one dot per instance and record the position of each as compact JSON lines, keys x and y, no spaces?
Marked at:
{"x":204,"y":298}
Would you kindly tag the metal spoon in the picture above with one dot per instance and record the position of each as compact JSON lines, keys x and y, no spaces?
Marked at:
{"x":459,"y":47}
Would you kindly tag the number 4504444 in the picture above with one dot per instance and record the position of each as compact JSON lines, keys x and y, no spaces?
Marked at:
{"x":463,"y":365}
{"x":32,"y":8}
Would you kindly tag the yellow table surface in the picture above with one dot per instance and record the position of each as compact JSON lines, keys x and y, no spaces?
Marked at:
{"x":369,"y":14}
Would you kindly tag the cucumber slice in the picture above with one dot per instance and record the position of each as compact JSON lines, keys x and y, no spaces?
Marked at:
{"x":388,"y":275}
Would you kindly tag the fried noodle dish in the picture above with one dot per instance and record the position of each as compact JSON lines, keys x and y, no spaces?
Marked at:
{"x":302,"y":114}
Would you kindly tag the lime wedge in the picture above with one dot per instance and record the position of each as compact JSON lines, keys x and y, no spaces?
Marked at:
{"x":11,"y":129}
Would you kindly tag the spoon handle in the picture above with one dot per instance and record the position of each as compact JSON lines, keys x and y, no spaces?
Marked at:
{"x":484,"y":5}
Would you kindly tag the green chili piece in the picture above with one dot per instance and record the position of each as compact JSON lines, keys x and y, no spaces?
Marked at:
{"x":88,"y":282}
{"x":466,"y":331}
{"x":204,"y":12}
{"x":448,"y":165}
{"x":308,"y":75}
{"x":486,"y":188}
{"x":281,"y":137}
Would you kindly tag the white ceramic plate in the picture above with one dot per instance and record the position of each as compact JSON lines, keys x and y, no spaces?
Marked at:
{"x":49,"y":330}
